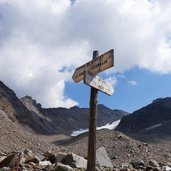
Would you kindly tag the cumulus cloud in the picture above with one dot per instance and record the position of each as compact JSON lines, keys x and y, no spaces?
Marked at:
{"x":40,"y":38}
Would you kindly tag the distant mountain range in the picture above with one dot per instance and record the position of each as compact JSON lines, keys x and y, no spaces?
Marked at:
{"x":30,"y":114}
{"x":154,"y":118}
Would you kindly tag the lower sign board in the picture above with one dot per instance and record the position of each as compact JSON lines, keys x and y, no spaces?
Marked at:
{"x":98,"y":83}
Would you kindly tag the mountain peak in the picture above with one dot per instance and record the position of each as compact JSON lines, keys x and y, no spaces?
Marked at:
{"x":28,"y":100}
{"x":156,"y":113}
{"x":166,"y":101}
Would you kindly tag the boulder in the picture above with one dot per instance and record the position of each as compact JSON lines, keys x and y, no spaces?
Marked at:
{"x":33,"y":159}
{"x":62,"y":167}
{"x":40,"y":156}
{"x":75,"y":161}
{"x":60,"y":156}
{"x":153,"y":163}
{"x":30,"y":157}
{"x":45,"y":163}
{"x":2,"y":158}
{"x":138,"y":163}
{"x":50,"y":157}
{"x":166,"y":168}
{"x":10,"y":161}
{"x":102,"y":158}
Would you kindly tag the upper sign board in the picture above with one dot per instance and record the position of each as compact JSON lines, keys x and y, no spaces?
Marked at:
{"x":98,"y":83}
{"x":95,"y":66}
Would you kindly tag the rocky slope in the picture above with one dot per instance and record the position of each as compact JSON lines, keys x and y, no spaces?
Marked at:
{"x":124,"y":154}
{"x":10,"y":104}
{"x":76,"y":118}
{"x":15,"y":132}
{"x":63,"y":120}
{"x":53,"y":120}
{"x":17,"y":112}
{"x":15,"y":137}
{"x":120,"y":148}
{"x":153,"y":118}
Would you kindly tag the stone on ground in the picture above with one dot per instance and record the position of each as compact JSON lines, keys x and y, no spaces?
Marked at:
{"x":102,"y":158}
{"x":75,"y":161}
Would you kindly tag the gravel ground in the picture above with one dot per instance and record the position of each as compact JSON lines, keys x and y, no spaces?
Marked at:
{"x":121,"y":148}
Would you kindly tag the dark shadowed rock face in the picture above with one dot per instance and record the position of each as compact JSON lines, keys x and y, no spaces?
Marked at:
{"x":12,"y":105}
{"x":153,"y":118}
{"x":18,"y":112}
{"x":53,"y":120}
{"x":76,"y":118}
{"x":63,"y":120}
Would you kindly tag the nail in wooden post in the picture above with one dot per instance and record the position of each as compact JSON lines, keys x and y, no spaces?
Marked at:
{"x":91,"y":164}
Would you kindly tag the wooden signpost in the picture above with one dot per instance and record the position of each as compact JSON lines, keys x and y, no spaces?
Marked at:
{"x":88,"y":72}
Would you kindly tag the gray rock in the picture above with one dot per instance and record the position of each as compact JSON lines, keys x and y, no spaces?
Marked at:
{"x":60,"y":156}
{"x":10,"y":161}
{"x":153,"y":163}
{"x":102,"y":158}
{"x":40,"y":156}
{"x":62,"y":167}
{"x":2,"y":158}
{"x":33,"y":159}
{"x":45,"y":163}
{"x":30,"y":157}
{"x":29,"y":153}
{"x":166,"y":168}
{"x":138,"y":163}
{"x":125,"y":165}
{"x":50,"y":157}
{"x":75,"y":161}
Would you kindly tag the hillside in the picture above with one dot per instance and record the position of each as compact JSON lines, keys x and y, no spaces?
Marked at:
{"x":50,"y":121}
{"x":17,"y":112}
{"x":15,"y":137}
{"x":76,"y":118}
{"x":121,"y":148}
{"x":24,"y":124}
{"x":153,"y":118}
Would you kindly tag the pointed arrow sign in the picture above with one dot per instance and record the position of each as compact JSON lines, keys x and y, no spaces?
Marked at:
{"x":98,"y":83}
{"x":95,"y":66}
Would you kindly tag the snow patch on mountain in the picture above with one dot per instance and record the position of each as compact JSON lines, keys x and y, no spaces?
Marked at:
{"x":152,"y":127}
{"x":107,"y":126}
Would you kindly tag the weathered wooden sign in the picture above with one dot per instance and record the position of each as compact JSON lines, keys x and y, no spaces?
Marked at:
{"x":87,"y":72}
{"x":95,"y":66}
{"x":98,"y":83}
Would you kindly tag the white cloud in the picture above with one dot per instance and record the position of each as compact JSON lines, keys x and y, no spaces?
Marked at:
{"x":133,"y":83}
{"x":39,"y":38}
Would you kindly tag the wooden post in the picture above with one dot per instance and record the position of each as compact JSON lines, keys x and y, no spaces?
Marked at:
{"x":91,"y":164}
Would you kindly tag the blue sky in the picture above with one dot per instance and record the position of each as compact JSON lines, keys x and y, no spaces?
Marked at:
{"x":42,"y":42}
{"x":147,"y":87}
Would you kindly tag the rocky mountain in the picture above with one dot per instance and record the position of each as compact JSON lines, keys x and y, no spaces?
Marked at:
{"x":17,"y":112}
{"x":30,"y":114}
{"x":153,"y":118}
{"x":74,"y":118}
{"x":11,"y":105}
{"x":22,"y":149}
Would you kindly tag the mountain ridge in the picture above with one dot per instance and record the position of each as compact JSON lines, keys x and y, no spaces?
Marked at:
{"x":153,"y":118}
{"x":50,"y":120}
